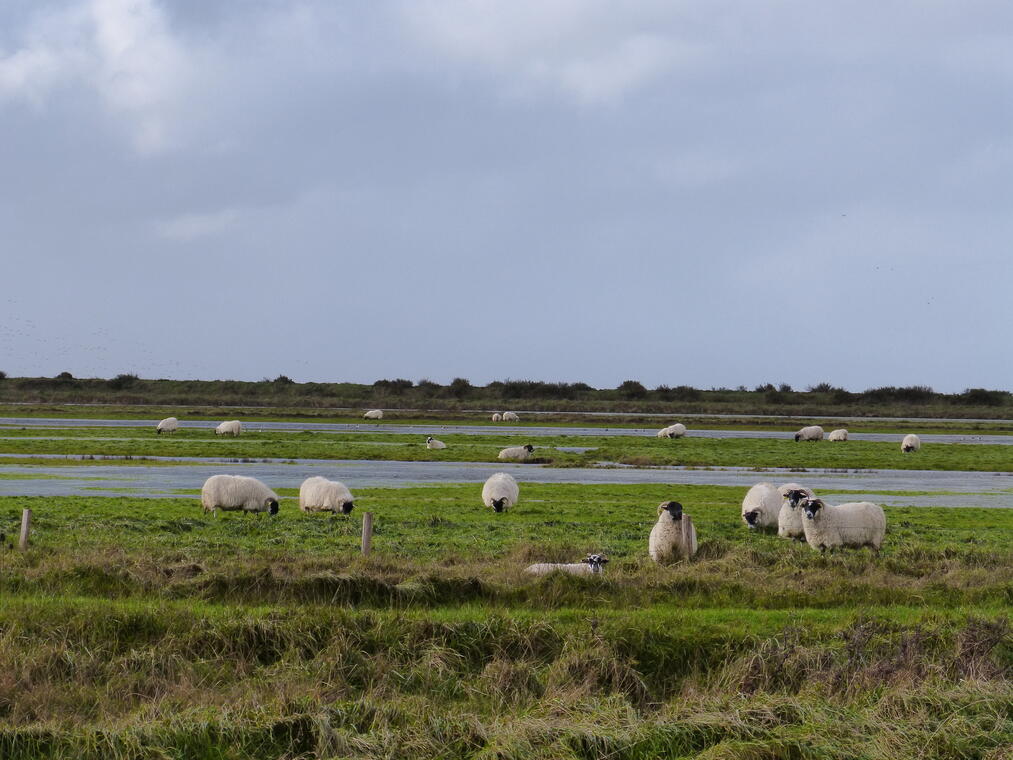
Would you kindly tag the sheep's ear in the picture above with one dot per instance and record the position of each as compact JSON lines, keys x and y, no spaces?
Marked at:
{"x":662,"y":509}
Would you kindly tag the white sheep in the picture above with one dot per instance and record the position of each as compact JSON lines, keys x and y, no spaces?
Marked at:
{"x":789,"y":518}
{"x":761,"y":506}
{"x":510,"y":417}
{"x":910,"y":443}
{"x":231,"y":427}
{"x":432,"y":443}
{"x":673,"y":536}
{"x":678,"y":430}
{"x":592,"y":564}
{"x":838,"y":435}
{"x":516,"y":453}
{"x":237,"y":492}
{"x":168,"y":425}
{"x":856,"y":524}
{"x":497,"y":417}
{"x":500,"y":491}
{"x":319,"y":494}
{"x":810,"y":433}
{"x":374,"y":414}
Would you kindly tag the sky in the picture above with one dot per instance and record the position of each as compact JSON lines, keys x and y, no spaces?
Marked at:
{"x":685,"y":193}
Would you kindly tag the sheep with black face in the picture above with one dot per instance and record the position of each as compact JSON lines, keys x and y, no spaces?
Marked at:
{"x":789,"y":518}
{"x":592,"y":564}
{"x":761,"y":506}
{"x":854,"y":525}
{"x":500,"y":492}
{"x":516,"y":453}
{"x":673,"y":536}
{"x":237,"y":492}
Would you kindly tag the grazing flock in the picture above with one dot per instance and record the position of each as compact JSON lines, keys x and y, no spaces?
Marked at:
{"x":792,"y":510}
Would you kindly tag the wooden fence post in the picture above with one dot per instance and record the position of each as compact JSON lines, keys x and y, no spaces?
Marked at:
{"x":367,"y":532}
{"x":26,"y":527}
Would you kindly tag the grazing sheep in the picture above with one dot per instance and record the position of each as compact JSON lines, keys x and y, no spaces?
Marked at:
{"x":789,"y":518}
{"x":517,"y":453}
{"x":232,"y":427}
{"x":910,"y":443}
{"x":510,"y":417}
{"x":811,"y":433}
{"x":168,"y":425}
{"x":592,"y":564}
{"x":856,"y":524}
{"x":319,"y":494}
{"x":673,"y":537}
{"x":500,"y":492}
{"x":374,"y":414}
{"x":761,"y":506}
{"x":432,"y":443}
{"x":838,"y":435}
{"x":237,"y":492}
{"x":678,"y":430}
{"x":497,"y":417}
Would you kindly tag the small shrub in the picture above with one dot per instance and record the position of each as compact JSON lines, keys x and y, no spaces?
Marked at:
{"x":631,"y":389}
{"x":122,"y":381}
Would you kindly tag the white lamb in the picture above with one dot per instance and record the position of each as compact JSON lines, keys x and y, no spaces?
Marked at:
{"x":678,"y":430}
{"x":856,"y":524}
{"x":232,"y":427}
{"x":500,"y":492}
{"x":237,"y":492}
{"x":374,"y":414}
{"x":432,"y":443}
{"x":517,"y":453}
{"x":838,"y":435}
{"x":168,"y":425}
{"x":592,"y":564}
{"x":497,"y":417}
{"x":510,"y":417}
{"x":810,"y":433}
{"x":319,"y":494}
{"x":789,"y":518}
{"x":761,"y":506}
{"x":673,"y":537}
{"x":910,"y":443}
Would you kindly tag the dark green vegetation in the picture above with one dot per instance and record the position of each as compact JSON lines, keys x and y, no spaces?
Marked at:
{"x":629,"y":396}
{"x":140,"y":628}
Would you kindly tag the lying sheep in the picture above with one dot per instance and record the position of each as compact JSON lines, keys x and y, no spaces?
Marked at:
{"x":761,"y":506}
{"x":855,"y":524}
{"x":319,"y":494}
{"x":673,"y":536}
{"x":838,"y":435}
{"x":910,"y":443}
{"x":432,"y":443}
{"x":789,"y":518}
{"x":678,"y":430}
{"x":510,"y":417}
{"x":237,"y":492}
{"x":168,"y":425}
{"x":517,"y":453}
{"x":497,"y":417}
{"x":373,"y":414}
{"x":810,"y":433}
{"x":500,"y":492}
{"x":232,"y":427}
{"x":592,"y":564}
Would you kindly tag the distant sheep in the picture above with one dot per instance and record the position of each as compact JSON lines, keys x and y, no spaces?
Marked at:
{"x":497,"y":417}
{"x":510,"y":417}
{"x":319,"y":494}
{"x":811,"y":433}
{"x":910,"y":443}
{"x":500,"y":492}
{"x":592,"y":564}
{"x":232,"y":427}
{"x":678,"y":430}
{"x":761,"y":506}
{"x":432,"y":443}
{"x":237,"y":492}
{"x":374,"y":414}
{"x":517,"y":453}
{"x":673,"y":536}
{"x":853,"y":525}
{"x":168,"y":425}
{"x":838,"y":435}
{"x":789,"y":518}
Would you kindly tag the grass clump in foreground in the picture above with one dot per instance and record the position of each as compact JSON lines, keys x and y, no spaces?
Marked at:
{"x":139,"y":628}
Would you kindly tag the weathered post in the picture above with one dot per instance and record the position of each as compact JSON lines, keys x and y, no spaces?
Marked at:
{"x":367,"y":532}
{"x":26,"y":527}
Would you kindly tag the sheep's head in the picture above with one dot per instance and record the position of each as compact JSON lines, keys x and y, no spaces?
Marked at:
{"x":673,"y":508}
{"x":751,"y":517}
{"x":498,"y":505}
{"x":528,"y":447}
{"x":429,"y":439}
{"x":347,"y":507}
{"x":272,"y":506}
{"x":811,"y":507}
{"x":798,"y":437}
{"x":796,"y":496}
{"x":596,"y":562}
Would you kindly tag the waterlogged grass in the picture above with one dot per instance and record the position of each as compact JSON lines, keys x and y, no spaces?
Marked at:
{"x":140,"y":628}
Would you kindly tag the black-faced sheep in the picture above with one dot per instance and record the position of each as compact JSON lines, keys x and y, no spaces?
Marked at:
{"x":237,"y":492}
{"x":673,"y":536}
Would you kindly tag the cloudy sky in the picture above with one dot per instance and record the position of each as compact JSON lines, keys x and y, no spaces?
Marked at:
{"x":706,"y":193}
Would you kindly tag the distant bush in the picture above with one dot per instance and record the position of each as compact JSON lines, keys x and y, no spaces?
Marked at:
{"x":65,"y":376}
{"x":283,"y":380}
{"x":914,"y":394}
{"x":394,"y":386}
{"x":821,"y":388}
{"x":686,"y":393}
{"x":983,"y":397}
{"x":123,"y":381}
{"x":784,"y":388}
{"x":841,"y":396}
{"x":631,"y":389}
{"x":460,"y":387}
{"x":427,"y":387}
{"x":765,"y":388}
{"x":3,"y":375}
